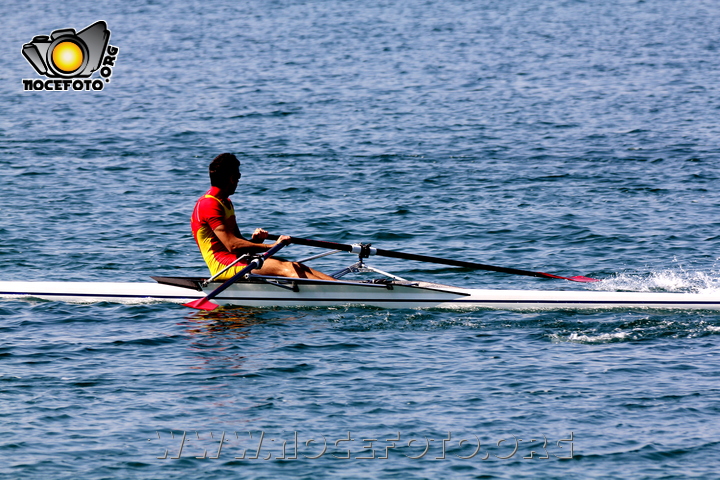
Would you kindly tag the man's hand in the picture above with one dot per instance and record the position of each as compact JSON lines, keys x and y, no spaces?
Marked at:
{"x":285,"y":239}
{"x":259,"y":235}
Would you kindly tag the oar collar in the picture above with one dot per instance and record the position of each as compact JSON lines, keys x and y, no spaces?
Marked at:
{"x":364,"y":250}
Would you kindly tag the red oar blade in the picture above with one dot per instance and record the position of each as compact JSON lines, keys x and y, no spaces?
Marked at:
{"x":202,"y":304}
{"x":577,"y":278}
{"x":580,"y":278}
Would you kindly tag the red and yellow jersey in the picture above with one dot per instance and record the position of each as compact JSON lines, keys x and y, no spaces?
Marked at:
{"x":210,"y":212}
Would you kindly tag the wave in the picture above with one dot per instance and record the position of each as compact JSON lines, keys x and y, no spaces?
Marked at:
{"x":669,"y":280}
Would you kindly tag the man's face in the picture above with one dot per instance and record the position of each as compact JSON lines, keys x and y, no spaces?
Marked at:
{"x":233,"y":180}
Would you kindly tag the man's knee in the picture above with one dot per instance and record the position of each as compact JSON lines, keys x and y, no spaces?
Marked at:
{"x":274,"y":266}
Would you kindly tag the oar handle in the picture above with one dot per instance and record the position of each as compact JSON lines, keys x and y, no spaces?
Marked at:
{"x":315,"y":243}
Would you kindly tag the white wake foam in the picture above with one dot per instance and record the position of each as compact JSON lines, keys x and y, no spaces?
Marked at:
{"x":670,"y":280}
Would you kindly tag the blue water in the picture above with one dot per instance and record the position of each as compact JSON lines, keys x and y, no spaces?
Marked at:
{"x":571,"y":137}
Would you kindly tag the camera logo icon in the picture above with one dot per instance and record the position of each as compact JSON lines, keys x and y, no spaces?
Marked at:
{"x":66,"y":56}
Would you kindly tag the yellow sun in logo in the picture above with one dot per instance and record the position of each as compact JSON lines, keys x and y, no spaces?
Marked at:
{"x":67,"y":56}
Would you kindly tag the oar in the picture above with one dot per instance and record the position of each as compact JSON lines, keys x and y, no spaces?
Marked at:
{"x":365,"y":251}
{"x":206,"y":304}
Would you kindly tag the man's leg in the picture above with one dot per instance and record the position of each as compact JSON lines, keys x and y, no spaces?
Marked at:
{"x":282,"y":268}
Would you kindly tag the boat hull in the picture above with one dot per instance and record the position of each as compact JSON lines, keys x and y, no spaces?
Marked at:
{"x":333,"y":294}
{"x":93,"y":292}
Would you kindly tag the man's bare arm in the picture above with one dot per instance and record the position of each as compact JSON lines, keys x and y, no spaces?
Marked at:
{"x":237,"y":244}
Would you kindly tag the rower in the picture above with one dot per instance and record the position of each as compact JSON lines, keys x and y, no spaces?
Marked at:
{"x":216,"y":232}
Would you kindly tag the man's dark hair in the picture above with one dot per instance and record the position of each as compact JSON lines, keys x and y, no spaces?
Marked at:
{"x":222,"y":167}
